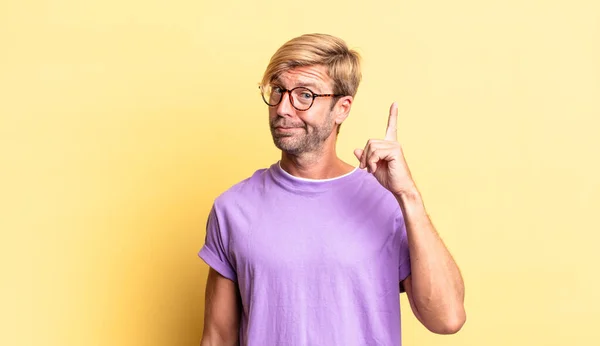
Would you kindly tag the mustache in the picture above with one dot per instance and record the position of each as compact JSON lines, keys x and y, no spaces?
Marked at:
{"x":283,"y":123}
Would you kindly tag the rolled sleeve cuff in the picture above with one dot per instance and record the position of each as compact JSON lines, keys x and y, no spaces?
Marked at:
{"x":404,"y":272}
{"x":214,"y":262}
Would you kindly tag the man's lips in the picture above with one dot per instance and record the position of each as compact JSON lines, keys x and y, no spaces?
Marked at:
{"x":286,"y":128}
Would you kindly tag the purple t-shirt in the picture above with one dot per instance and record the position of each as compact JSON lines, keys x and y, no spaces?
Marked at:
{"x":317,"y":262}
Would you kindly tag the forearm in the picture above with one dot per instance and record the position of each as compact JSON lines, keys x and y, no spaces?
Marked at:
{"x":437,"y":285}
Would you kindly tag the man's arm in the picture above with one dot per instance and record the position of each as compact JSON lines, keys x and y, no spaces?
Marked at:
{"x":222,"y":311}
{"x":435,"y":288}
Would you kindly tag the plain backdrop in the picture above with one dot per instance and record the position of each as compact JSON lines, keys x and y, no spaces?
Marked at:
{"x":121,"y":122}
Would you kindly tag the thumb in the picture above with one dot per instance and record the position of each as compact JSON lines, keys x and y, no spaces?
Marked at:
{"x":358,"y":153}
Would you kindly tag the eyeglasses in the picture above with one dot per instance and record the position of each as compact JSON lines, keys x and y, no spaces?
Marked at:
{"x":301,"y":98}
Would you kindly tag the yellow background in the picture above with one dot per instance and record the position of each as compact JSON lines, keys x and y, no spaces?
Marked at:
{"x":121,"y":121}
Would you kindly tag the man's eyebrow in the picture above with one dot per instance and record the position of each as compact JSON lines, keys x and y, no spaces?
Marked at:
{"x":308,"y":84}
{"x":277,"y":81}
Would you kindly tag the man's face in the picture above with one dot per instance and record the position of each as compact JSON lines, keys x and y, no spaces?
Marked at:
{"x":296,"y":132}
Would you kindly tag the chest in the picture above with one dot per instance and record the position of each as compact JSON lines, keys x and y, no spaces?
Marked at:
{"x":294,"y":244}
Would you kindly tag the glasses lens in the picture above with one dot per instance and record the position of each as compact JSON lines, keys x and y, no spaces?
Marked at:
{"x":303,"y":98}
{"x":272,"y":95}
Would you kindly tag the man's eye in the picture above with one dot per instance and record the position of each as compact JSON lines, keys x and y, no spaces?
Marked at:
{"x":306,"y":95}
{"x":277,"y":89}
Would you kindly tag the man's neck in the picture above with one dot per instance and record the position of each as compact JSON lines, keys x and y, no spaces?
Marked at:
{"x":315,"y":165}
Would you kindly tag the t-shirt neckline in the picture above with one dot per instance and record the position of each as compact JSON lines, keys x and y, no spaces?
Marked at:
{"x":294,"y":183}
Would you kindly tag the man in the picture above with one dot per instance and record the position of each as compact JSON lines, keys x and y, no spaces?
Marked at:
{"x":313,"y":251}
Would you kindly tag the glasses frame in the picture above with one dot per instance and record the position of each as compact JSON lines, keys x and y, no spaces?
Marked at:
{"x":314,"y":96}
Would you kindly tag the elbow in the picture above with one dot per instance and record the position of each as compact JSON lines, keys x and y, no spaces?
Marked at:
{"x":450,"y":324}
{"x":208,"y":342}
{"x":451,"y":328}
{"x":214,"y":339}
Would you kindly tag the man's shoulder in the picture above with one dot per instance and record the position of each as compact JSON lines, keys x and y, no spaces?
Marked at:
{"x":371,"y":185}
{"x":371,"y":190}
{"x":247,"y":189}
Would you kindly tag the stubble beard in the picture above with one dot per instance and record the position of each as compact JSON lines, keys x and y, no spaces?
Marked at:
{"x":305,"y":141}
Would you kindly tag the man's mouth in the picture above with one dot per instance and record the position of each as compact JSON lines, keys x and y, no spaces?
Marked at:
{"x":286,"y":129}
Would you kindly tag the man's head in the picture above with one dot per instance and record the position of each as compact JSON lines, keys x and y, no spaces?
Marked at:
{"x":310,"y":84}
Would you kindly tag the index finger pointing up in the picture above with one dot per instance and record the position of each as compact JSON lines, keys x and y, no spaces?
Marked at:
{"x":391,"y":133}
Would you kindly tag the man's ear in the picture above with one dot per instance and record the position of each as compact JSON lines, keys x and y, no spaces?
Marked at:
{"x":342,"y":109}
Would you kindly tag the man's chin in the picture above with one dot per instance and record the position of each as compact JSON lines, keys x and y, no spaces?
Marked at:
{"x":285,"y":146}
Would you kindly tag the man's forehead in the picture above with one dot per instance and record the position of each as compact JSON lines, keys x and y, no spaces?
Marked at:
{"x":306,"y":75}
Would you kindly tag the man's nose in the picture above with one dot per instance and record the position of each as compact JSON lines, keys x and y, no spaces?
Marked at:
{"x":285,"y":108}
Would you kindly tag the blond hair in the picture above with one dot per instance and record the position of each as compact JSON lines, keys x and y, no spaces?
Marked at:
{"x":343,"y":64}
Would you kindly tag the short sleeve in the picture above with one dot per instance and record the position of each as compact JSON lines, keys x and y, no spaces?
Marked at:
{"x":214,"y":252}
{"x":404,"y":262}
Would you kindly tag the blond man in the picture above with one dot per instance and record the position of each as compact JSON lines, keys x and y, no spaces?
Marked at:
{"x":313,"y":250}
